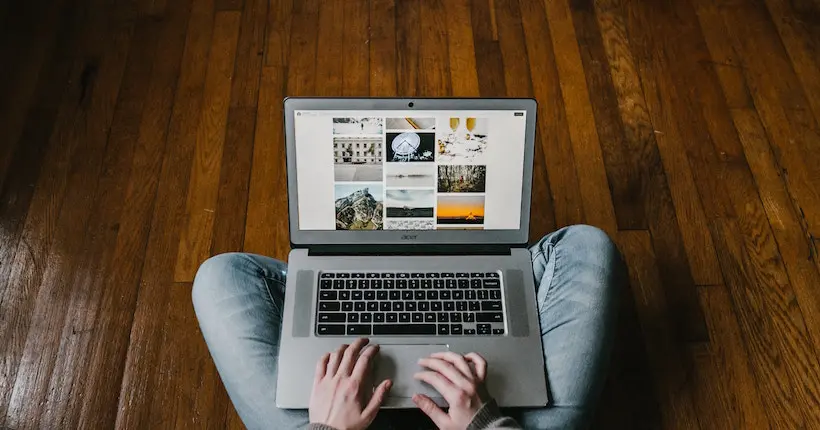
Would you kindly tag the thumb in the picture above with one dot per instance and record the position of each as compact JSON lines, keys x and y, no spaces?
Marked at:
{"x":372,"y":408}
{"x":431,"y":409}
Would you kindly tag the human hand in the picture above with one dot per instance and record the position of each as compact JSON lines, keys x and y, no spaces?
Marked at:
{"x":339,"y":388}
{"x":463,"y":388}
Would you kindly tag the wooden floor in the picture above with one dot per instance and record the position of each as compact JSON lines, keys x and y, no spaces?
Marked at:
{"x":140,"y":137}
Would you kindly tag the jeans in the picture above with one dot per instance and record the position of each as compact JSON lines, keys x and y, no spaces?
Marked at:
{"x":238,"y":302}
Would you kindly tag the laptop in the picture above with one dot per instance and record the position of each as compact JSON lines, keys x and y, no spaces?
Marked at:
{"x":409,"y":222}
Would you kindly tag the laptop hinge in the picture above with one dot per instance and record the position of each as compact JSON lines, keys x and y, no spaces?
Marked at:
{"x":391,"y":250}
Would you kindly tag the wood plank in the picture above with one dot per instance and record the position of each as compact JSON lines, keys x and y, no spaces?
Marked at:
{"x":140,"y":348}
{"x":593,"y":183}
{"x":552,"y":132}
{"x":195,"y":242}
{"x":278,"y":26}
{"x":302,"y":62}
{"x":249,"y":52}
{"x":356,"y":63}
{"x":45,"y":306}
{"x":461,"y":49}
{"x":227,"y":5}
{"x":672,"y":385}
{"x":266,"y":228}
{"x":408,"y":42}
{"x":234,"y":181}
{"x":434,"y":62}
{"x":330,"y":50}
{"x":725,"y":391}
{"x":491,"y":81}
{"x":383,"y":48}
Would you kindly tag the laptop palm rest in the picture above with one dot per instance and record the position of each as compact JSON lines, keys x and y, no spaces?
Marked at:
{"x":399,"y":363}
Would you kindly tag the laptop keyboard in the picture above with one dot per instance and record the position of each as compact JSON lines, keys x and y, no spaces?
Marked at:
{"x":409,"y":303}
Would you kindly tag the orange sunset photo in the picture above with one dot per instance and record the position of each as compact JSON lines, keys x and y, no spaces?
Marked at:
{"x":460,"y":210}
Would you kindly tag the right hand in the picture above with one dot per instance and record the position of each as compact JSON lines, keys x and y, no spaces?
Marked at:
{"x":463,"y":388}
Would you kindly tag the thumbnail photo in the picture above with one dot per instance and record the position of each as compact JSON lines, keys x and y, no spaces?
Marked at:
{"x":400,"y":175}
{"x":411,"y":123}
{"x":410,"y":203}
{"x":462,"y":179}
{"x":359,"y":206}
{"x":410,"y":146}
{"x":357,"y":126}
{"x":463,"y":142}
{"x":409,"y":224}
{"x":458,"y":210}
{"x":358,"y":158}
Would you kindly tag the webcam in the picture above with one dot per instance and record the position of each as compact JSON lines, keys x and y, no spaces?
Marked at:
{"x":411,"y":104}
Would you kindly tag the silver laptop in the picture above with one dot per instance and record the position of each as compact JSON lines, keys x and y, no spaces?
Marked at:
{"x":409,"y":220}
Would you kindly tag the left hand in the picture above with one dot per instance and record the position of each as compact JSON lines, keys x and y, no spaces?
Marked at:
{"x":339,"y":388}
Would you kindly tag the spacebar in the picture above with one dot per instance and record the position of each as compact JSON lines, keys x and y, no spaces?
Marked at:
{"x":404,"y":329}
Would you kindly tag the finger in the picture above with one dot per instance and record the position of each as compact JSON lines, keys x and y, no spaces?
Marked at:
{"x":431,"y":409}
{"x":363,"y":363}
{"x":440,"y":383}
{"x":335,"y":359}
{"x":372,"y":408}
{"x":350,"y":356}
{"x":321,"y":368}
{"x":480,"y":365}
{"x":448,"y":370}
{"x":456,"y":360}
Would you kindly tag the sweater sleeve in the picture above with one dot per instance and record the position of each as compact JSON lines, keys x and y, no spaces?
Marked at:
{"x":490,"y":418}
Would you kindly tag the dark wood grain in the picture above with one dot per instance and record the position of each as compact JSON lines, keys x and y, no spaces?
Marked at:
{"x":488,"y":59}
{"x":461,"y":49}
{"x":434,"y":61}
{"x":278,"y":26}
{"x":408,"y":41}
{"x":330,"y":42}
{"x":356,"y":62}
{"x":382,"y":48}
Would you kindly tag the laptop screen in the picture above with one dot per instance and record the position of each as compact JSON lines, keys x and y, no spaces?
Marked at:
{"x":409,"y":169}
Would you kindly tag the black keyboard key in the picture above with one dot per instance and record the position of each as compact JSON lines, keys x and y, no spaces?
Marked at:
{"x":458,"y":295}
{"x":463,"y":283}
{"x":492,"y":283}
{"x":448,"y":275}
{"x":404,"y":329}
{"x":414,"y":284}
{"x":483,"y":328}
{"x":438,"y":283}
{"x":338,"y":284}
{"x":347,"y":306}
{"x":424,"y":306}
{"x":450,"y":283}
{"x":435,"y":306}
{"x":483,"y":295}
{"x":403,"y":275}
{"x":350,"y":284}
{"x":469,"y":331}
{"x":419,"y":295}
{"x":443,"y":329}
{"x":404,"y":317}
{"x":418,"y":317}
{"x":476,"y":275}
{"x":426,"y":284}
{"x":358,"y":306}
{"x":429,"y":317}
{"x":356,"y":295}
{"x":432,"y":295}
{"x":395,"y":295}
{"x":401,"y":284}
{"x":417,"y":275}
{"x":372,"y":306}
{"x":470,"y":295}
{"x":378,"y":317}
{"x":323,"y":329}
{"x":445,"y":295}
{"x":398,"y":306}
{"x":407,"y":295}
{"x":344,"y":295}
{"x":326,"y":275}
{"x":410,"y":306}
{"x":461,"y":306}
{"x":468,"y":317}
{"x":372,"y":275}
{"x":495,"y":294}
{"x":462,"y":275}
{"x":491,"y":306}
{"x":327,"y":295}
{"x":384,"y":306}
{"x":489,"y":317}
{"x":366,"y":317}
{"x":432,"y":275}
{"x":389,"y":284}
{"x":343,"y":275}
{"x":475,"y":283}
{"x":358,"y":329}
{"x":370,"y":295}
{"x":353,"y":317}
{"x":364,"y":284}
{"x":455,"y":317}
{"x":475,"y":306}
{"x":331,"y":317}
{"x":498,"y":331}
{"x":326,"y":284}
{"x":376,"y":284}
{"x":357,"y":275}
{"x":392,"y":317}
{"x":329,"y":306}
{"x":442,"y":317}
{"x":449,"y":306}
{"x":491,"y":275}
{"x":388,"y":275}
{"x":381,"y":295}
{"x":455,"y":328}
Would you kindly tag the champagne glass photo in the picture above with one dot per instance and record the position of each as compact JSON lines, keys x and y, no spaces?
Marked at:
{"x":453,"y":126}
{"x":470,"y":124}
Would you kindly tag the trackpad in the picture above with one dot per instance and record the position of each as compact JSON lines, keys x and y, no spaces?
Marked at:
{"x":400,"y":363}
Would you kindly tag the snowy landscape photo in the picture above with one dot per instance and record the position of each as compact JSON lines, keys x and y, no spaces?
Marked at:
{"x":359,"y":206}
{"x":410,"y":203}
{"x":358,"y":126}
{"x":401,"y":175}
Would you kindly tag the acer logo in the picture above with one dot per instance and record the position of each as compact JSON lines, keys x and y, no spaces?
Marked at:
{"x":409,"y":236}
